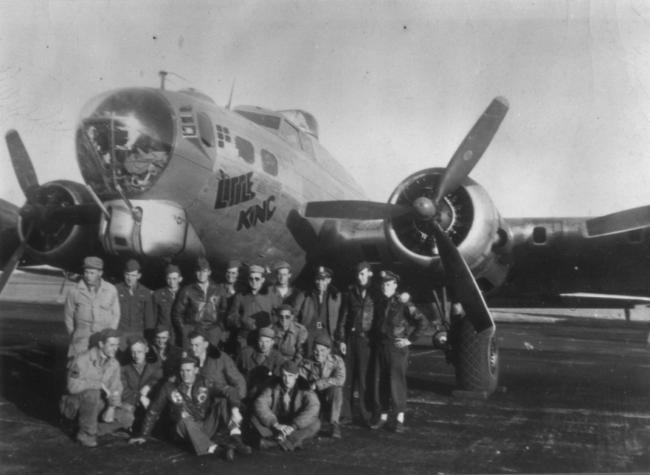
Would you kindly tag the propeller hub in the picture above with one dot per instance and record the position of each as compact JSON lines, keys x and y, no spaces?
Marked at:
{"x":425,"y":207}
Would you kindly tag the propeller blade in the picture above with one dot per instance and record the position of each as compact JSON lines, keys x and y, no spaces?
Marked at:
{"x":22,"y":164}
{"x":472,"y":147}
{"x":11,"y":265}
{"x":460,"y":279}
{"x":353,"y":209}
{"x":621,"y":221}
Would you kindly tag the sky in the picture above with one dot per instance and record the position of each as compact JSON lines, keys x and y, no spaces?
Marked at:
{"x":394,"y":85}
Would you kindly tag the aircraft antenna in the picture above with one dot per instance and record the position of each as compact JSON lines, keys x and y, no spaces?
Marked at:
{"x":163,"y":76}
{"x":232,"y":91}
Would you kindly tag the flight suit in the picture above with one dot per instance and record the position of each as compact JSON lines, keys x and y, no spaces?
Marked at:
{"x":198,"y":310}
{"x":393,"y":319}
{"x":136,"y":313}
{"x":328,"y":378}
{"x":357,"y":313}
{"x":87,"y":311}
{"x":90,"y":373}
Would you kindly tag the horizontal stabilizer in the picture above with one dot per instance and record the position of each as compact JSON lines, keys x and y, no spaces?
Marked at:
{"x":619,"y":222}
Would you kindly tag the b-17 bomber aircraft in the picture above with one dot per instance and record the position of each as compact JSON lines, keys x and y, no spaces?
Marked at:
{"x":170,"y":176}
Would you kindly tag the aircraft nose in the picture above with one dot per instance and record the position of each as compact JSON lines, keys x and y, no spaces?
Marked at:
{"x":127,"y":136}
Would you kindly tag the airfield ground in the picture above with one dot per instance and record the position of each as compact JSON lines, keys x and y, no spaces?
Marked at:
{"x":574,"y":396}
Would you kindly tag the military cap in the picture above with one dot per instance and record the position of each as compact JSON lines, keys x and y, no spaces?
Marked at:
{"x":387,"y":275}
{"x":281,"y":265}
{"x":323,"y":339}
{"x":160,"y":329}
{"x":171,"y":268}
{"x":107,"y":333}
{"x":93,"y":262}
{"x":363,"y":265}
{"x":324,"y":272}
{"x":189,"y":359}
{"x":233,"y":264}
{"x":202,"y":264}
{"x":267,"y":332}
{"x":290,"y":366}
{"x":131,"y":266}
{"x":285,"y":307}
{"x":256,"y":268}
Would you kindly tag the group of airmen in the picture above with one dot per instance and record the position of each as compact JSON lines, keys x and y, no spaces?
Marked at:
{"x":232,"y":365}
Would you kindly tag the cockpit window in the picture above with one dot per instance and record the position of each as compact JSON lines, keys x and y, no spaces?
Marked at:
{"x":268,"y":121}
{"x":129,"y":134}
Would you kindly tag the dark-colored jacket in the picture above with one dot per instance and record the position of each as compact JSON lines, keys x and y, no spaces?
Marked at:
{"x":303,"y":409}
{"x":247,"y":310}
{"x":174,"y":394}
{"x":293,"y":297}
{"x":357,"y":312}
{"x":222,"y":373}
{"x":136,"y":310}
{"x":258,"y":369}
{"x":394,"y":319}
{"x":133,"y":382}
{"x":195,"y":307}
{"x":163,"y":304}
{"x":169,"y":360}
{"x":308,"y":311}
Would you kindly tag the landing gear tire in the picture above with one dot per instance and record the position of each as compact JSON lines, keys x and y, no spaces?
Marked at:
{"x":477,"y":358}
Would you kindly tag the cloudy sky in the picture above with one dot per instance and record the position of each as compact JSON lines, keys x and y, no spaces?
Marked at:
{"x":395,"y":85}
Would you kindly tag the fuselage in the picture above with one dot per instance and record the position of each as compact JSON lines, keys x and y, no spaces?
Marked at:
{"x":242,"y":176}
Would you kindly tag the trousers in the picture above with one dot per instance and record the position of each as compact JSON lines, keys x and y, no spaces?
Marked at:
{"x":390,"y":376}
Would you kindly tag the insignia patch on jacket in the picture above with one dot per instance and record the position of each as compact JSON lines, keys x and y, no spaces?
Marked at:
{"x":176,"y":397}
{"x":202,"y":394}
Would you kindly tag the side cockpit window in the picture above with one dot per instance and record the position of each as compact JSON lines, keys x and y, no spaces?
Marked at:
{"x":269,"y":163}
{"x":205,"y":129}
{"x":245,"y":149}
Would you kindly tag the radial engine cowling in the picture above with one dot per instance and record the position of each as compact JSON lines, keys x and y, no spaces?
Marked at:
{"x":56,"y":233}
{"x":467,"y":215}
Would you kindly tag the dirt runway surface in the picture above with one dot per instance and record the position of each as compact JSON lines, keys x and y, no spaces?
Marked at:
{"x":574,"y":396}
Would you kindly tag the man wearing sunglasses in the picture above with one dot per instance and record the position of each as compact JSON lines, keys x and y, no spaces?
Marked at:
{"x":251,"y":309}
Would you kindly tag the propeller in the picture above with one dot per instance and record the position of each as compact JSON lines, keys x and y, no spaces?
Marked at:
{"x":426,"y":209}
{"x":472,"y":147}
{"x":43,"y":211}
{"x":22,"y":164}
{"x":621,"y":221}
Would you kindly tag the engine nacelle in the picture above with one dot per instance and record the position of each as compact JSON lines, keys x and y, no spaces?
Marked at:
{"x":467,"y":215}
{"x":52,"y":241}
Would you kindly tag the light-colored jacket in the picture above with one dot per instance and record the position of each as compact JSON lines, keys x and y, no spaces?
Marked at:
{"x":87,"y":313}
{"x":330,"y":373}
{"x":93,"y":370}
